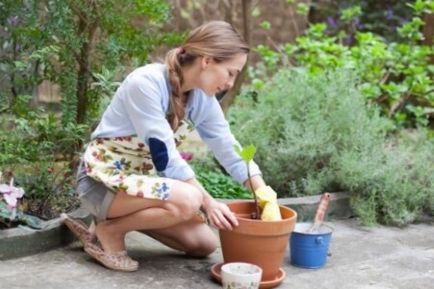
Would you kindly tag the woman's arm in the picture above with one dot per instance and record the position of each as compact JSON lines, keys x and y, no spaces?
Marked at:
{"x":218,"y":213}
{"x":257,"y":182}
{"x":214,"y":130}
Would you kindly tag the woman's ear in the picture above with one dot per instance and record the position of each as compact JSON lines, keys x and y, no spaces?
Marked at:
{"x":205,"y":61}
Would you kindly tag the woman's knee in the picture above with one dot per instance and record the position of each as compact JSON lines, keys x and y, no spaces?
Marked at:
{"x":185,"y":200}
{"x":203,"y":247}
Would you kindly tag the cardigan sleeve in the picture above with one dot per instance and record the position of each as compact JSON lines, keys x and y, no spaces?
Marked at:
{"x":215,"y":132}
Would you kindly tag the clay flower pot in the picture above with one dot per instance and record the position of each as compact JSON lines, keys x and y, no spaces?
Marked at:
{"x":263,"y":243}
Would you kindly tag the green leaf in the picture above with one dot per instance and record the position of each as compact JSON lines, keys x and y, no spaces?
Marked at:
{"x":5,"y":212}
{"x":246,"y":153}
{"x":302,"y":8}
{"x":20,"y":65}
{"x":256,"y":12}
{"x":258,"y":83}
{"x":31,"y":221}
{"x":351,"y":13}
{"x":289,"y":48}
{"x":422,"y":6}
{"x":265,"y":25}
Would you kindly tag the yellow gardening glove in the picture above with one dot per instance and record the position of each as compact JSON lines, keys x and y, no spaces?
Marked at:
{"x":267,"y":199}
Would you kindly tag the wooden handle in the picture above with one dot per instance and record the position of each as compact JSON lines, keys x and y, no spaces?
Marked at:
{"x":322,"y":208}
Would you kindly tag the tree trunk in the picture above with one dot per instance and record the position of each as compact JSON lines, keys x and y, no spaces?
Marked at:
{"x":428,"y":31}
{"x":87,"y":28}
{"x":13,"y":74}
{"x":82,"y":82}
{"x":229,"y":97}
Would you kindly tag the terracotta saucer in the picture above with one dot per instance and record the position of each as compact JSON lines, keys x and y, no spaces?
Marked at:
{"x":216,"y":270}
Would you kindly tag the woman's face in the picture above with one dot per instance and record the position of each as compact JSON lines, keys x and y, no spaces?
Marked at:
{"x":217,"y":77}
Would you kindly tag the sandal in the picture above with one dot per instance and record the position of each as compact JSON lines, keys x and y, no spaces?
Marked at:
{"x":78,"y":228}
{"x":118,"y":261}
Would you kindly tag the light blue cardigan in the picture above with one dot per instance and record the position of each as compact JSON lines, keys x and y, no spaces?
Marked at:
{"x":139,"y":107}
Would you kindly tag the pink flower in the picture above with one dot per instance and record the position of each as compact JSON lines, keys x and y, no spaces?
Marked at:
{"x":186,"y":156}
{"x":11,"y":194}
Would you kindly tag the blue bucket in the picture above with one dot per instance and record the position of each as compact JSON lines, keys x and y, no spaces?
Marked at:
{"x":309,"y":250}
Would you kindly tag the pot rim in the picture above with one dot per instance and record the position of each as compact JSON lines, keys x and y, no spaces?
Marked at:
{"x":294,"y":214}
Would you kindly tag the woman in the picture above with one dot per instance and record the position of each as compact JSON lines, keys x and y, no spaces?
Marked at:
{"x":132,"y":176}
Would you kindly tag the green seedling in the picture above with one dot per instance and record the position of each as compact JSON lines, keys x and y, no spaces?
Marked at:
{"x":247,"y":153}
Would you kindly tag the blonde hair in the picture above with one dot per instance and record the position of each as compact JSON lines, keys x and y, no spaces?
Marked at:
{"x":216,"y":39}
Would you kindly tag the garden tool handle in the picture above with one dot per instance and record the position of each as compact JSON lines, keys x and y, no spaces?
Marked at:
{"x":322,"y":208}
{"x":320,"y":212}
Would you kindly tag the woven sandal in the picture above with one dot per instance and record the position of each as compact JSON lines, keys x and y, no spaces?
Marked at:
{"x":118,"y":261}
{"x":78,"y":228}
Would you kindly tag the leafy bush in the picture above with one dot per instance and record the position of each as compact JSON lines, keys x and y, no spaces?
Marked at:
{"x":316,"y":133}
{"x":81,"y":46}
{"x":379,"y":17}
{"x":49,"y":187}
{"x":70,"y":42}
{"x":396,"y":75}
{"x":395,"y":183}
{"x":41,"y":154}
{"x":216,"y":182}
{"x":38,"y":136}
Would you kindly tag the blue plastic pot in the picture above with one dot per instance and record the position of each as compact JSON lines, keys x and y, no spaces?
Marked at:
{"x":309,"y":250}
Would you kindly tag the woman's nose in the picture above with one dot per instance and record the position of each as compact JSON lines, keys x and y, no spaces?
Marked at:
{"x":229,"y":84}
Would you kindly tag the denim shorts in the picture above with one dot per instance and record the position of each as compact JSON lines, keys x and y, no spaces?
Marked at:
{"x":95,"y":197}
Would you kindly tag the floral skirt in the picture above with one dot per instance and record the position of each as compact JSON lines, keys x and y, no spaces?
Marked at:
{"x":124,"y":164}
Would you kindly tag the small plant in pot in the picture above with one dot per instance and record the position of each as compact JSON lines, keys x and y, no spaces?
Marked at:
{"x":255,"y":240}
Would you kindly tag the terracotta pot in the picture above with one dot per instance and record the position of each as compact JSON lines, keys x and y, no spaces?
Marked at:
{"x":263,"y":243}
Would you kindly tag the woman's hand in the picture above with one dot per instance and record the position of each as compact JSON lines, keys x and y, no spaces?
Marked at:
{"x":220,"y":215}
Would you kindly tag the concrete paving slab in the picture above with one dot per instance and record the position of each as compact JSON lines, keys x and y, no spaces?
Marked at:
{"x":379,"y":257}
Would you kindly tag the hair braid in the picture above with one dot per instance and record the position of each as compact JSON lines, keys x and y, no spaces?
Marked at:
{"x":177,"y":100}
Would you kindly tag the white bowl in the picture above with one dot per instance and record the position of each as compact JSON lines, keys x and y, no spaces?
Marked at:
{"x":238,"y":275}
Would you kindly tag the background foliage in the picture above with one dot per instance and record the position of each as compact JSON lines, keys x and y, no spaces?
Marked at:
{"x":316,"y":133}
{"x":397,"y":75}
{"x":346,"y":105}
{"x":84,"y":46}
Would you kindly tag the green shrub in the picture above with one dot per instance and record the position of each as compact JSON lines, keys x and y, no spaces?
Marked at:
{"x":316,"y":133}
{"x":38,"y":136}
{"x":72,"y":43}
{"x":49,"y":188}
{"x":41,"y":154}
{"x":394,"y":182}
{"x":398,"y":75}
{"x":216,"y":182}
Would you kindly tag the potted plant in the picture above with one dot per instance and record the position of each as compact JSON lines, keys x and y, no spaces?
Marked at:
{"x":256,"y":241}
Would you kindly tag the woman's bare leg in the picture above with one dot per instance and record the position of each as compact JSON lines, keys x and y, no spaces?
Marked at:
{"x":129,"y":213}
{"x":193,"y":237}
